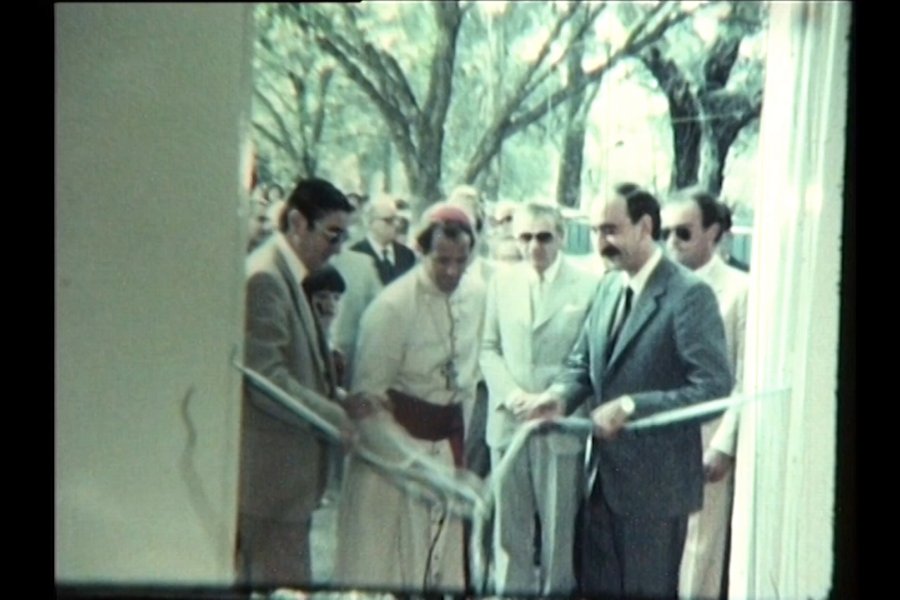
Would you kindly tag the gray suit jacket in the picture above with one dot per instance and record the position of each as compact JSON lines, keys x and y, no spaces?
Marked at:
{"x":671,"y":353}
{"x":522,"y":351}
{"x":282,"y":460}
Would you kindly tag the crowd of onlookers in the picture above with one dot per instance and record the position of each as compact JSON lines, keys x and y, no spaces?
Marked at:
{"x":443,"y":335}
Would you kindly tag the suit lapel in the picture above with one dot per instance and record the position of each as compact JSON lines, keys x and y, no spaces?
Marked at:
{"x":554,"y":298}
{"x":304,"y":313}
{"x":643,"y":310}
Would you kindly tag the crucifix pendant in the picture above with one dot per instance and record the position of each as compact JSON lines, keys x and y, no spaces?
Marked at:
{"x":448,"y":370}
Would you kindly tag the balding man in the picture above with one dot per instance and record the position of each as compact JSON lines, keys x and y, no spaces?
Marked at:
{"x":392,"y":259}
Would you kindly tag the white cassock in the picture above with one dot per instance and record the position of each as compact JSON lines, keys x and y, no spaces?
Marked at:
{"x":419,"y":341}
{"x":703,"y":561}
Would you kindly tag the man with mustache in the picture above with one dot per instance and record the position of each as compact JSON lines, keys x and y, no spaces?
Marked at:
{"x":653,"y":341}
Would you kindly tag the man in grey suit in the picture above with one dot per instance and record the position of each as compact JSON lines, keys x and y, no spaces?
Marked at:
{"x":282,"y":464}
{"x":653,"y":341}
{"x":535,"y":312}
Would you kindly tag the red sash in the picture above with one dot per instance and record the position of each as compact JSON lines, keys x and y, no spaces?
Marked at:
{"x":426,"y":421}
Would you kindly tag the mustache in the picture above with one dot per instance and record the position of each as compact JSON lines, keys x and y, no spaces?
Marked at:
{"x":610,"y":252}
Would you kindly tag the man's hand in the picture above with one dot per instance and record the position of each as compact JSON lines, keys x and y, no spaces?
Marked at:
{"x":361,"y":405}
{"x":526,"y":406}
{"x":716,"y":465}
{"x":546,"y":407}
{"x":520,"y":404}
{"x":609,"y":418}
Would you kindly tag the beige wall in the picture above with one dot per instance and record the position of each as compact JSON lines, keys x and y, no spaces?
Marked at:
{"x":151,"y":105}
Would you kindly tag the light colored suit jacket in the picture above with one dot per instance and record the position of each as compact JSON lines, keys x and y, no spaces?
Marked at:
{"x":282,"y":459}
{"x":732,"y":288}
{"x":522,"y":351}
{"x":670,"y":353}
{"x":361,"y":277}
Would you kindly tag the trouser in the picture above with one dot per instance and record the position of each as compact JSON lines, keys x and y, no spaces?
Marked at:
{"x":272,"y":552}
{"x":544,"y":483}
{"x":626,"y":555}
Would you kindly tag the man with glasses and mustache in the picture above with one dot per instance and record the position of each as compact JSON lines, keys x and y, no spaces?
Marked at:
{"x":283,"y":463}
{"x":653,"y":341}
{"x":392,"y":258}
{"x":535,"y":312}
{"x":692,"y":226}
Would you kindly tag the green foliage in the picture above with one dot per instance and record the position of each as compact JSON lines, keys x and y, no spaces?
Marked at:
{"x":354,"y":92}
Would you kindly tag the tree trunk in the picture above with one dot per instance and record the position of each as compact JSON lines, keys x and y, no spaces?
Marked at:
{"x":568,"y":183}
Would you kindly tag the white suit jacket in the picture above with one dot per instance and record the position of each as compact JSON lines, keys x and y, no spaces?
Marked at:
{"x":521,"y":351}
{"x":731,"y":287}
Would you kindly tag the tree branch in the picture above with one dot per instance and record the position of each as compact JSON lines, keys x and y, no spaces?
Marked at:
{"x":302,"y":108}
{"x":279,"y":121}
{"x":577,"y":37}
{"x":540,"y":108}
{"x":440,"y":80}
{"x":274,"y":140}
{"x":319,"y":117}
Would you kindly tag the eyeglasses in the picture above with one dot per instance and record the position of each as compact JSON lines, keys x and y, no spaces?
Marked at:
{"x":543,"y":237}
{"x":334,"y":236}
{"x":681,"y":232}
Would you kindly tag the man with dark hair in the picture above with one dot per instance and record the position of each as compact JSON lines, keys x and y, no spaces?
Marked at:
{"x":692,"y":228}
{"x":283,"y":463}
{"x":653,"y":341}
{"x":418,"y":345}
{"x":726,"y":240}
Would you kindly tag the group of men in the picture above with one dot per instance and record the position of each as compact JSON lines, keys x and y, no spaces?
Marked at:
{"x":618,"y":512}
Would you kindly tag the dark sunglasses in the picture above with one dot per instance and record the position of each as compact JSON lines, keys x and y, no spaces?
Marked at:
{"x":544,"y":237}
{"x":335,"y":236}
{"x":681,"y":232}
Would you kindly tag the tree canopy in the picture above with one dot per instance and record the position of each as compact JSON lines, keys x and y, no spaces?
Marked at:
{"x":418,"y":97}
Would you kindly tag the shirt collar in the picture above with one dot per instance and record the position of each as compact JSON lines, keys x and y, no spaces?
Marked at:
{"x":380,"y":248}
{"x":706,"y":270}
{"x":639,"y":281}
{"x":550,"y":273}
{"x":296,"y":266}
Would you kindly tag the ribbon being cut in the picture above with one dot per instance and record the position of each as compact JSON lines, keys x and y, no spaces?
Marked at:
{"x":460,"y":491}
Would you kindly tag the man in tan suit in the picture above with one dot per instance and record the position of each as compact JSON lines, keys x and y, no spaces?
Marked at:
{"x":535,"y":313}
{"x":692,"y":228}
{"x":282,"y":465}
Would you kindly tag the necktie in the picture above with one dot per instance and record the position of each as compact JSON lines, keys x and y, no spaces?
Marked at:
{"x":620,"y":323}
{"x":387,"y":267}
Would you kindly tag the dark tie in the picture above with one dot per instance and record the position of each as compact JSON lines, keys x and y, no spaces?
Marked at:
{"x":617,"y":327}
{"x":387,"y":267}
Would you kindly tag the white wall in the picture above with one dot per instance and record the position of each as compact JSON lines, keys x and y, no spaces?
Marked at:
{"x":151,"y":106}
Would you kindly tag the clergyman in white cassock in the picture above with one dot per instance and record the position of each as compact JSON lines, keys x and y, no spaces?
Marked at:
{"x":418,"y":345}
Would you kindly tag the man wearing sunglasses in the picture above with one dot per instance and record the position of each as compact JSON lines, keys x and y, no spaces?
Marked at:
{"x":653,"y":341}
{"x":692,"y":228}
{"x":535,"y":311}
{"x":392,"y":258}
{"x":283,"y":462}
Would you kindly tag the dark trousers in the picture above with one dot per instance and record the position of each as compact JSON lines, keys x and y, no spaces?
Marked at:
{"x":273,"y":553}
{"x":628,"y":556}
